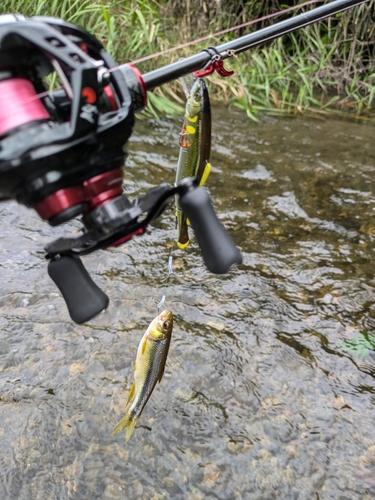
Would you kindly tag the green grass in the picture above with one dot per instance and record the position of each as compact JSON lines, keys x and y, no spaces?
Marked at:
{"x":327,"y":67}
{"x":127,"y":29}
{"x":272,"y":81}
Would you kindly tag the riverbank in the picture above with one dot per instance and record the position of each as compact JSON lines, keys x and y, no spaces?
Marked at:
{"x":324,"y":67}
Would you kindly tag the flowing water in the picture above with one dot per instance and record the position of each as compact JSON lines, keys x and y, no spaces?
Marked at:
{"x":269,"y":390}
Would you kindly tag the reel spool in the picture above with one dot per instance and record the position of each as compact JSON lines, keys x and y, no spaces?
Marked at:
{"x":61,"y":151}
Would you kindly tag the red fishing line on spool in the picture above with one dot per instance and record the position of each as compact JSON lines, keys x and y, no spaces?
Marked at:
{"x":19,"y":104}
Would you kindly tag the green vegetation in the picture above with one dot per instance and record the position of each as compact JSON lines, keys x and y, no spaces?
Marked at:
{"x":360,"y":346}
{"x":325,"y":67}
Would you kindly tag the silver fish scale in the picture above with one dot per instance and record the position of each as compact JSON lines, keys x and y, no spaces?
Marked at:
{"x":158,"y":357}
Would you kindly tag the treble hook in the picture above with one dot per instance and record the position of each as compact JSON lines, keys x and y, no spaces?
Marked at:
{"x":161,"y":303}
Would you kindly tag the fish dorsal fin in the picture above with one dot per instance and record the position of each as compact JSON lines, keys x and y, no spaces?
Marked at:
{"x":131,"y":393}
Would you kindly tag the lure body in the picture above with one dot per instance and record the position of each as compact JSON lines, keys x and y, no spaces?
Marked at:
{"x":195,"y":148}
{"x":149,"y":368}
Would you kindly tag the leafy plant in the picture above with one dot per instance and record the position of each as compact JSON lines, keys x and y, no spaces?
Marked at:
{"x":360,"y":346}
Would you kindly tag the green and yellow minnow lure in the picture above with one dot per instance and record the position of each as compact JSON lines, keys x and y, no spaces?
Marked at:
{"x":149,"y":368}
{"x":195,"y":147}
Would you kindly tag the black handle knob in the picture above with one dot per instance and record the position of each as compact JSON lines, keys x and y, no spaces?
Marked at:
{"x":218,"y":249}
{"x":83,"y":297}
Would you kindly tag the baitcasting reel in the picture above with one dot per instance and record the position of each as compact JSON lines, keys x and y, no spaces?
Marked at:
{"x":61,"y":152}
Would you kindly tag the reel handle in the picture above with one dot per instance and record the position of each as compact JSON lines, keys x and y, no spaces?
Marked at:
{"x":218,"y":249}
{"x":83,"y":297}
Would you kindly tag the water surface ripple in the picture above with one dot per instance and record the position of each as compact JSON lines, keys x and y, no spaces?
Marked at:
{"x":269,"y":390}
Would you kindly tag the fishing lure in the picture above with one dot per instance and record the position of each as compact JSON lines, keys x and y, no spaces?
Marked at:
{"x":195,"y":148}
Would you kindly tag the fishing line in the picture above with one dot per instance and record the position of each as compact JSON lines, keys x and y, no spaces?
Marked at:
{"x":165,"y":280}
{"x":161,"y":303}
{"x":170,"y":272}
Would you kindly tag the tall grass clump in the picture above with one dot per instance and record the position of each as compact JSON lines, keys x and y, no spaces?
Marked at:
{"x":327,"y":66}
{"x":128,"y":30}
{"x":91,"y":15}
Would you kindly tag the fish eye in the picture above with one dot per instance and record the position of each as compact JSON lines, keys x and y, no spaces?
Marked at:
{"x":166,"y":325}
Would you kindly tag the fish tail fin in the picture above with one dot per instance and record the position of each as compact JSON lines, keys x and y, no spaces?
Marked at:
{"x":130,"y":429}
{"x":128,"y":423}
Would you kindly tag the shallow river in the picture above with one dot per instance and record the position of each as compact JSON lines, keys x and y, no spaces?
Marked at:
{"x":269,"y":390}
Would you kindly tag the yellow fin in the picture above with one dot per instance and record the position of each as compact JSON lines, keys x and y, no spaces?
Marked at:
{"x":144,"y":346}
{"x":182,"y":245}
{"x":127,"y":423}
{"x":206,"y":173}
{"x":131,"y":393}
{"x":130,"y":428}
{"x":188,"y":222}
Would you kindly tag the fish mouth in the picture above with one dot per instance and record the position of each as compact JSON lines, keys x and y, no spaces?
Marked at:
{"x":166,"y":314}
{"x":165,"y":320}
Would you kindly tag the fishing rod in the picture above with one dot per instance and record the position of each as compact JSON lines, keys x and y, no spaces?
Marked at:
{"x":62,"y":151}
{"x":193,"y":63}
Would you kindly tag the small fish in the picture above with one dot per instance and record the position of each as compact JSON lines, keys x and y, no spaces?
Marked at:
{"x":195,"y":148}
{"x":149,"y":368}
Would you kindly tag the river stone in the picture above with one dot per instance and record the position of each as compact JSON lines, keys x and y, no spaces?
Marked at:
{"x":264,"y":454}
{"x":292,"y":450}
{"x":112,"y":492}
{"x":282,"y":432}
{"x":195,"y":494}
{"x":318,"y":478}
{"x":211,"y":474}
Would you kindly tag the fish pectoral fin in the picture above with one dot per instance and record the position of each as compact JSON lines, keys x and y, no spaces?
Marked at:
{"x":127,"y":423}
{"x":206,"y":173}
{"x":144,"y":343}
{"x":131,"y":393}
